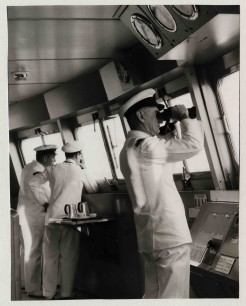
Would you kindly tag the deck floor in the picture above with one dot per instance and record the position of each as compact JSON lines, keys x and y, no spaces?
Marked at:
{"x":80,"y":295}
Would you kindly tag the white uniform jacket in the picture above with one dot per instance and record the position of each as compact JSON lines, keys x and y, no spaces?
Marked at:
{"x":30,"y":207}
{"x":66,"y":182}
{"x":148,"y":171}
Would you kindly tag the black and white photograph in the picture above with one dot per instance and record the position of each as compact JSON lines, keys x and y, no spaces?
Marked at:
{"x":121,"y":128}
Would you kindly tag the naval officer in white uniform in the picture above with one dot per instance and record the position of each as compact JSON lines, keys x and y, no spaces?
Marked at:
{"x":32,"y":211}
{"x":61,"y":242}
{"x":146,"y":162}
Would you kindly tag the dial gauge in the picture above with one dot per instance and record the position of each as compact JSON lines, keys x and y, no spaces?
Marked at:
{"x":163,"y":17}
{"x":147,"y":31}
{"x":189,"y":12}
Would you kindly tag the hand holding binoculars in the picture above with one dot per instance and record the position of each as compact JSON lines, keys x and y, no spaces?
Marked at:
{"x":77,"y":210}
{"x":169,"y":113}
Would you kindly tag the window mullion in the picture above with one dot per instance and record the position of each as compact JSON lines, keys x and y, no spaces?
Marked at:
{"x":226,"y":124}
{"x":211,"y":148}
{"x":107,"y":147}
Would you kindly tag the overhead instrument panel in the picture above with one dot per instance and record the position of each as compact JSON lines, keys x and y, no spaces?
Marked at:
{"x":163,"y":27}
{"x":172,"y":20}
{"x":214,"y":253}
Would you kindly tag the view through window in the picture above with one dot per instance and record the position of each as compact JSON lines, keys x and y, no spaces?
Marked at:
{"x":94,"y":153}
{"x":229,"y":94}
{"x":199,"y":162}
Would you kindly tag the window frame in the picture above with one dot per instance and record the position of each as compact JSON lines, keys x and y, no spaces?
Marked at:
{"x":21,"y":155}
{"x":108,"y":149}
{"x":223,"y":113}
{"x":109,"y":143}
{"x":203,"y":84}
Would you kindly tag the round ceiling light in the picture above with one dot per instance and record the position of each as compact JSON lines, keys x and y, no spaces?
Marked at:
{"x":147,"y":31}
{"x":163,"y":17}
{"x":187,"y":11}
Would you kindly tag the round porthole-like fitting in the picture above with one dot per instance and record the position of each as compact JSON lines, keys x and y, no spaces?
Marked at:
{"x":147,"y":31}
{"x":163,"y":17}
{"x":189,"y":12}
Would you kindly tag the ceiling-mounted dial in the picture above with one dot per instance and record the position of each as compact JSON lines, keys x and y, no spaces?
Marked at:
{"x":147,"y":31}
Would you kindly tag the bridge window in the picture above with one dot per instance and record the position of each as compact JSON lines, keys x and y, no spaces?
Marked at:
{"x":198,"y":163}
{"x":116,"y":139}
{"x":28,"y":145}
{"x":228,"y":88}
{"x":94,"y":152}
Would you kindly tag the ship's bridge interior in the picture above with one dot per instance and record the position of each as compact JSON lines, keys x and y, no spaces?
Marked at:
{"x":69,"y":70}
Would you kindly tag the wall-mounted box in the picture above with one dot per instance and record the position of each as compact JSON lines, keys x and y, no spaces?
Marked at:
{"x":82,"y":92}
{"x":27,"y":113}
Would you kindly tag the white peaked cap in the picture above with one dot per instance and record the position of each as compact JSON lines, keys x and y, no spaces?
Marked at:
{"x":72,"y":147}
{"x":45,"y":148}
{"x":147,"y":93}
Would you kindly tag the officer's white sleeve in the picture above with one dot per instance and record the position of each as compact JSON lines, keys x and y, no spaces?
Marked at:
{"x":158,"y":150}
{"x":35,"y":190}
{"x":90,"y":184}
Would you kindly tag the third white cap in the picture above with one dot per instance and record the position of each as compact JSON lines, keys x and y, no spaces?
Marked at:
{"x":72,"y":147}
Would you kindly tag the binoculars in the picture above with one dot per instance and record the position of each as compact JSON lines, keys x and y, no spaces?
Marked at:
{"x":167,"y":113}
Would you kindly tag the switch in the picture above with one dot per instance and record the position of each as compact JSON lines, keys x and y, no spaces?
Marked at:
{"x":199,"y":199}
{"x":213,"y":246}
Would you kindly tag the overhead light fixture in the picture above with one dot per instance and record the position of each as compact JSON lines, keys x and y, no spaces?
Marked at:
{"x":163,"y":17}
{"x":189,"y":12}
{"x":20,"y":75}
{"x":147,"y":31}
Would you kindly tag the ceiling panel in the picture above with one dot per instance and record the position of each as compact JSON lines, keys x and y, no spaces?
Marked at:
{"x":66,"y":39}
{"x":52,"y":71}
{"x":21,"y":92}
{"x":222,"y":31}
{"x":62,"y":11}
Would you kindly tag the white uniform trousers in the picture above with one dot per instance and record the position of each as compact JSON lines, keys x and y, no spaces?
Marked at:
{"x":167,"y":273}
{"x":32,"y":237}
{"x":61,"y":254}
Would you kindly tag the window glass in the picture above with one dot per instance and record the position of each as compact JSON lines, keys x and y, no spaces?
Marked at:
{"x":229,"y":94}
{"x":94,"y":153}
{"x":27,"y":148}
{"x":116,"y":139}
{"x":199,"y":162}
{"x":28,"y":145}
